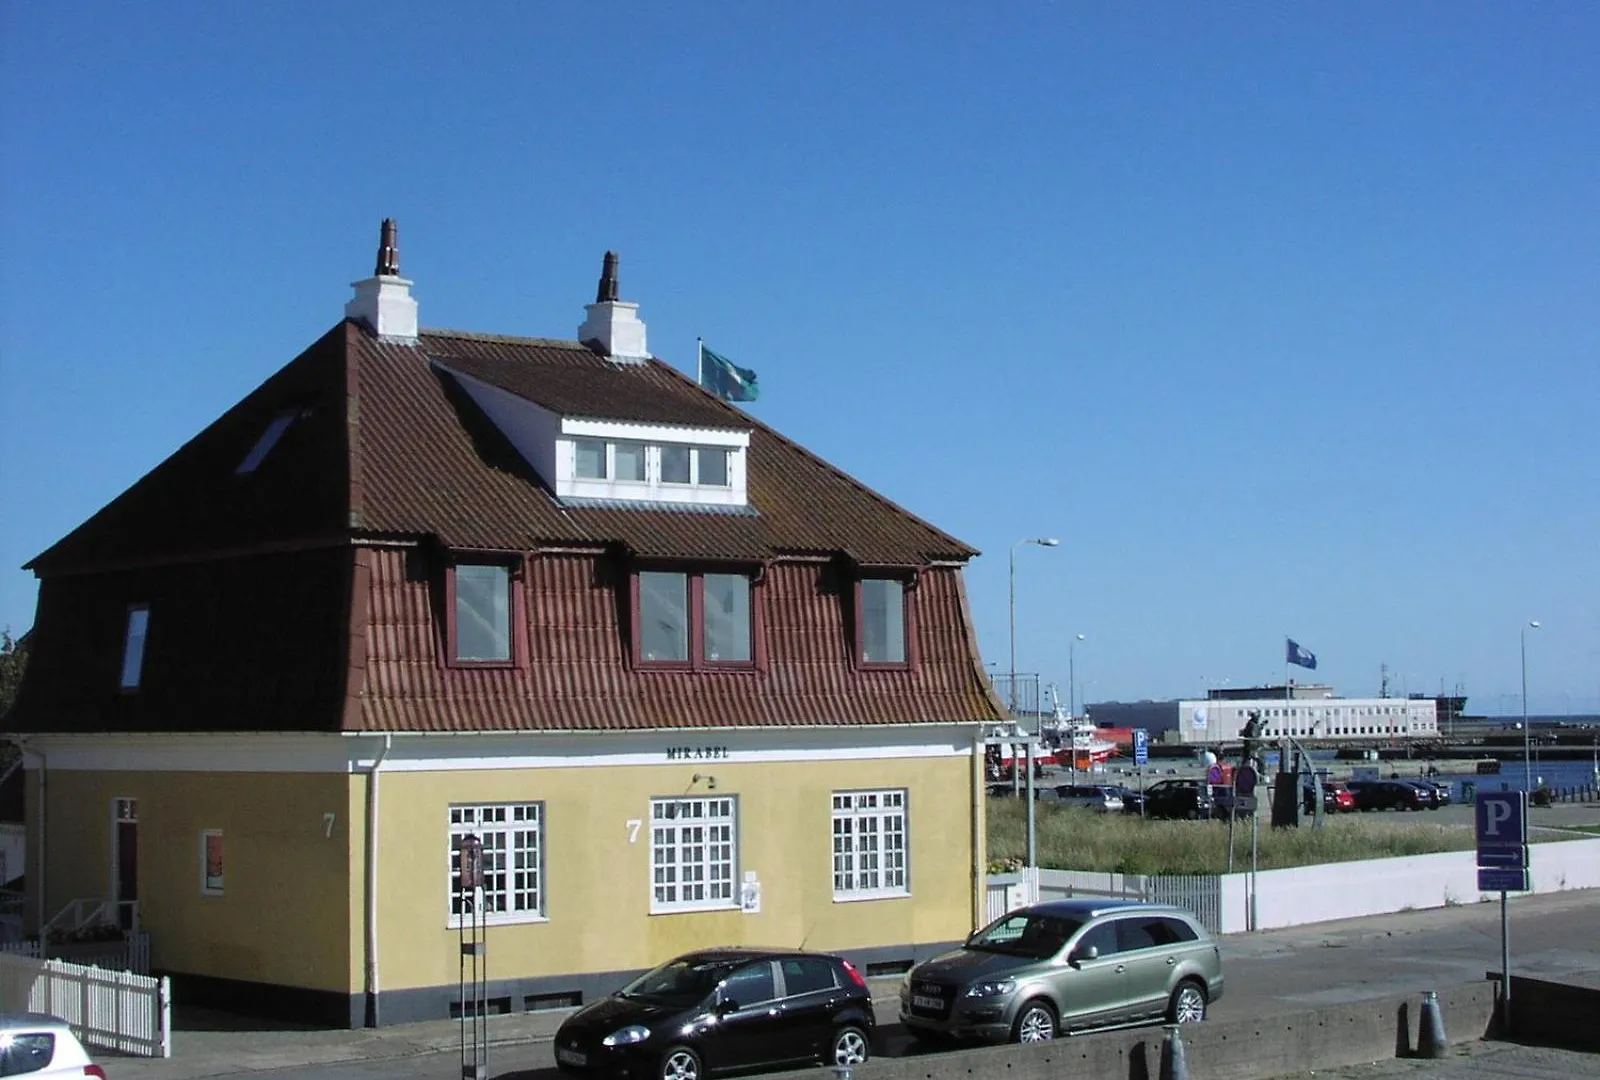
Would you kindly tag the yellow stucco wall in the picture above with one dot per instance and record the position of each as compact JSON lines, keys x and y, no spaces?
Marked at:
{"x":599,"y":882}
{"x":287,"y":878}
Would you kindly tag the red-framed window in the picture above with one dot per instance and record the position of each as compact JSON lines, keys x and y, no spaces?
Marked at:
{"x":885,"y":635}
{"x":486,"y":624}
{"x":696,"y":619}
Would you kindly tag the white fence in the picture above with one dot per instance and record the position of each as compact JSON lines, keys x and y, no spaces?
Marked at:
{"x":117,"y":1010}
{"x":131,"y":953}
{"x":1272,"y":899}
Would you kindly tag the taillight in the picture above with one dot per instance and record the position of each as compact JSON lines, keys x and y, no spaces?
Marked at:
{"x":855,"y":976}
{"x":95,"y":1071}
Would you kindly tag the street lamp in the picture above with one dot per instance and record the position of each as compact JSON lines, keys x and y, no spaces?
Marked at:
{"x":1527,"y":745}
{"x":1072,"y":677}
{"x":1043,"y":541}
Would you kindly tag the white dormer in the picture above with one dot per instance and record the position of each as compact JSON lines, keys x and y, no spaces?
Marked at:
{"x":618,"y":461}
{"x":613,"y":324}
{"x":384,"y":301}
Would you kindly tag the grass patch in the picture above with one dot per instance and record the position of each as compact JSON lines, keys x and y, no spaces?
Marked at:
{"x":1073,"y":839}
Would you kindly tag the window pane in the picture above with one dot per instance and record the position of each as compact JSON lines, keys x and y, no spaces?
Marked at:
{"x":883,"y":621}
{"x":663,"y":615}
{"x":133,"y":647}
{"x":630,"y":461}
{"x":591,"y":459}
{"x":483,"y":612}
{"x":727,"y":611}
{"x":674,"y":464}
{"x":713,"y":467}
{"x":27,"y":1053}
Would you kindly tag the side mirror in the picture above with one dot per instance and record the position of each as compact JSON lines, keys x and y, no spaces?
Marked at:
{"x":1088,"y":952}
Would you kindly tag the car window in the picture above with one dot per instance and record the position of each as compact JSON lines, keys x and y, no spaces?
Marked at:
{"x":1134,"y":934}
{"x":1102,"y":937}
{"x":749,"y":985}
{"x":26,"y":1053}
{"x":1024,"y":933}
{"x":1165,"y":930}
{"x":805,"y":975}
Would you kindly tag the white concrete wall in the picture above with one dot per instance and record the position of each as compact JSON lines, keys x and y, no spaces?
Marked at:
{"x":1311,"y":894}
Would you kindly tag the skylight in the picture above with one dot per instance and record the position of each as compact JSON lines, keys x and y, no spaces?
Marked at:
{"x":263,"y":447}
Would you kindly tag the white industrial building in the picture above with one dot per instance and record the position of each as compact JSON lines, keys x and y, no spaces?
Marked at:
{"x":1331,"y":719}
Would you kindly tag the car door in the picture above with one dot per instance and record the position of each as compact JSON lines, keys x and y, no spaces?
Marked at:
{"x":811,"y":997}
{"x":1090,"y":992}
{"x":1151,"y":947}
{"x":750,"y":1029}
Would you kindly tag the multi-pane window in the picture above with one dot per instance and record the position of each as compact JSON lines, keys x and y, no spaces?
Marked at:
{"x":512,"y":835}
{"x":589,"y":459}
{"x":687,"y":619}
{"x":483,"y":613}
{"x":693,"y":853}
{"x":133,"y":646}
{"x":630,"y":461}
{"x":883,"y":621}
{"x":651,"y":463}
{"x":869,"y":844}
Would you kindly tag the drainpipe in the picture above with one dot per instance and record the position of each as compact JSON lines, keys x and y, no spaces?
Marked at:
{"x":372,"y":882}
{"x":980,"y":867}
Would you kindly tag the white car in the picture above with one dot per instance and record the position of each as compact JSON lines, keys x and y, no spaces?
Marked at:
{"x":1088,"y":796}
{"x":40,"y":1045}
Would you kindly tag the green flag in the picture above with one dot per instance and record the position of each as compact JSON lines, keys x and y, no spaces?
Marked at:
{"x":724,"y":378}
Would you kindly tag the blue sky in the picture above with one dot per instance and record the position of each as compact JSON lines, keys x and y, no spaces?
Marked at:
{"x":1281,"y":317}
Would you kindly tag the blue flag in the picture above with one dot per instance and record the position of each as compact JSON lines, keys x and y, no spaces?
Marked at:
{"x":1303,"y":657}
{"x":724,"y":378}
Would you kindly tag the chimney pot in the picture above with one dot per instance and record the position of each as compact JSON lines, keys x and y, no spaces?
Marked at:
{"x":384,"y":301}
{"x":613,"y":325}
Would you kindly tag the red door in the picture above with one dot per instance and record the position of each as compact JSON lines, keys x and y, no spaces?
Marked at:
{"x":127,"y":862}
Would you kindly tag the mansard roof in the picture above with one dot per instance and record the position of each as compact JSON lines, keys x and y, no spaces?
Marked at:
{"x":385,"y":444}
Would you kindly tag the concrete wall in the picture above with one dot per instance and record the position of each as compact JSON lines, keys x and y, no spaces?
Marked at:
{"x":1356,"y":1033}
{"x":1311,"y":894}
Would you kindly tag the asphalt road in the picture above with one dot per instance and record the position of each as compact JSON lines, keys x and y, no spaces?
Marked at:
{"x":1284,"y":971}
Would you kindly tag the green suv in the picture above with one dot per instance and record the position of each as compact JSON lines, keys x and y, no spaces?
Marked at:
{"x":1066,"y":965}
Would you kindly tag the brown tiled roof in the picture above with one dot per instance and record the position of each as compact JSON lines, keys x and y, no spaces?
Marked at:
{"x":429,"y":461}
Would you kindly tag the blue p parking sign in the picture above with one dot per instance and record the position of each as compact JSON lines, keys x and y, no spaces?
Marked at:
{"x":1141,"y":747}
{"x":1501,"y":818}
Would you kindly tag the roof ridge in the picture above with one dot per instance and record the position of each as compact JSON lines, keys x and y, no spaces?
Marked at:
{"x":818,"y":460}
{"x":506,"y":339}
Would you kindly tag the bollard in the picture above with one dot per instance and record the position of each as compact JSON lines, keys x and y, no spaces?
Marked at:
{"x":1173,"y":1064}
{"x":1431,"y":1039}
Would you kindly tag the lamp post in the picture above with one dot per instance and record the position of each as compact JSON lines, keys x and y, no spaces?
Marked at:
{"x":1072,"y":676}
{"x":1042,"y":541}
{"x":1527,"y":743}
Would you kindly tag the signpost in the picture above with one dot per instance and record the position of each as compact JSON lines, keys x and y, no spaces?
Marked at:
{"x":1141,"y":758}
{"x":1501,"y":820}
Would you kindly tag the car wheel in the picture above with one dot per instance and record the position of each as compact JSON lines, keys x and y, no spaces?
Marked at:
{"x":850,"y":1047}
{"x":1035,"y":1023}
{"x":680,"y":1063}
{"x":1188,"y":1004}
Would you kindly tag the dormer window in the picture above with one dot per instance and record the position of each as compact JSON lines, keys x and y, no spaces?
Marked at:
{"x":590,"y":460}
{"x":885,"y":623}
{"x":695,"y":620}
{"x":484,"y":606}
{"x":617,"y":461}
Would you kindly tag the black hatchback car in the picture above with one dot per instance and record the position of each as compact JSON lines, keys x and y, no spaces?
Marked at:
{"x":723,"y":1010}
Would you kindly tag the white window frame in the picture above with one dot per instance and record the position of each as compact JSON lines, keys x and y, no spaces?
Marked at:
{"x":887,"y":815}
{"x":693,"y":831}
{"x":497,"y":825}
{"x":206,"y":888}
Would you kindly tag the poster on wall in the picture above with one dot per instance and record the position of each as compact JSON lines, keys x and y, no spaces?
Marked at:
{"x":750,"y":894}
{"x":211,"y":854}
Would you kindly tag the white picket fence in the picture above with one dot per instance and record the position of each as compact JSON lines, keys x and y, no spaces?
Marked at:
{"x":116,"y":1010}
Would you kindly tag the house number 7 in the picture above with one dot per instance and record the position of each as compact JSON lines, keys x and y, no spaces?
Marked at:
{"x":633,"y":829}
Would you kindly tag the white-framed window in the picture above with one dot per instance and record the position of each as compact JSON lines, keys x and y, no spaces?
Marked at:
{"x":211,"y":862}
{"x":512,"y":835}
{"x":869,"y":845}
{"x":693,"y":853}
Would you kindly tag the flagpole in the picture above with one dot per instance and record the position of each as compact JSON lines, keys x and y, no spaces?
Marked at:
{"x":700,"y":362}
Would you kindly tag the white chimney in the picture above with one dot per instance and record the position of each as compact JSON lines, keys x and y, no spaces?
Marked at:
{"x":384,"y":301}
{"x":612,"y":324}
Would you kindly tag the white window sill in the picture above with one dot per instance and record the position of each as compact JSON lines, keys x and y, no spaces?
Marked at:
{"x":682,"y":909}
{"x":500,"y":918}
{"x":878,"y":894}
